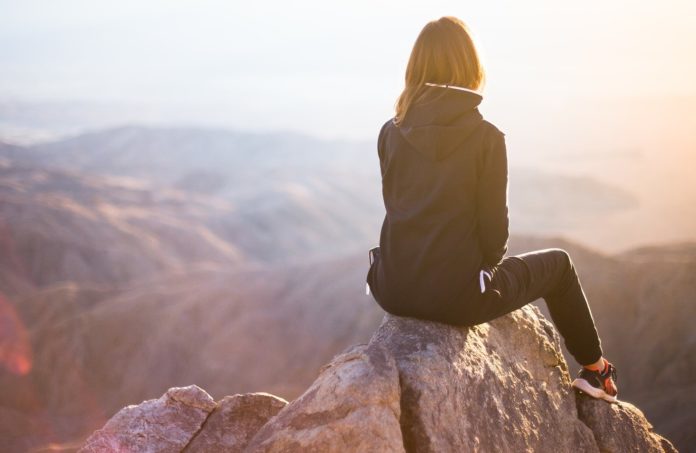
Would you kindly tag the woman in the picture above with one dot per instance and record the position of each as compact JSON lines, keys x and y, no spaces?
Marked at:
{"x":441,"y":254}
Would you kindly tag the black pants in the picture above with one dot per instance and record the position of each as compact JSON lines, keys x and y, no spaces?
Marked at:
{"x":551,"y":275}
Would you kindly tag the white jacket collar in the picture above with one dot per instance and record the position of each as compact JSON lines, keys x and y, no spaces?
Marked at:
{"x":455,"y":87}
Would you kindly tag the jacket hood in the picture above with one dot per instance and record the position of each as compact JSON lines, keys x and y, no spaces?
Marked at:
{"x":441,"y":120}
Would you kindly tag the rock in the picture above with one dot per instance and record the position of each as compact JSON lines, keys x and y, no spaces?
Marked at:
{"x":502,"y":385}
{"x":186,"y":419}
{"x":158,"y":425}
{"x":352,"y":406}
{"x":417,"y":386}
{"x":234,"y":421}
{"x":620,"y":427}
{"x":497,"y":386}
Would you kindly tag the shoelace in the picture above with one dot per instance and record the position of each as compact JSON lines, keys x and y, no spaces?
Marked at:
{"x":611,"y":372}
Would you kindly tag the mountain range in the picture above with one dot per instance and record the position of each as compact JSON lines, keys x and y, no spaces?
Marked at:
{"x":138,"y":259}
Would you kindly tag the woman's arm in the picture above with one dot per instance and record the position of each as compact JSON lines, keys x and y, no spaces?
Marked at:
{"x":380,"y":145}
{"x":493,"y":220}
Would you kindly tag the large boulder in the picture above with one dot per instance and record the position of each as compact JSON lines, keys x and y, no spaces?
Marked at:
{"x":499,"y":386}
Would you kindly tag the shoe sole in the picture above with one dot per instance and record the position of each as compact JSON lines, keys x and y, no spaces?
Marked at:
{"x":585,"y":386}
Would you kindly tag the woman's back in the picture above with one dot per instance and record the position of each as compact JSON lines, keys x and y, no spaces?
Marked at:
{"x":444,"y":177}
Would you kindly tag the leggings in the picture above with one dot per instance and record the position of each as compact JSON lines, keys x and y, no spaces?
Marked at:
{"x":551,"y":275}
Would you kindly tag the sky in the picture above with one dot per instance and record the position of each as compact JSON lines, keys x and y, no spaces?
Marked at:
{"x":331,"y":69}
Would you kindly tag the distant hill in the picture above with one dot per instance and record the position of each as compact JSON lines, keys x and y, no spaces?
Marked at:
{"x":234,"y":159}
{"x":285,"y":173}
{"x":59,"y":225}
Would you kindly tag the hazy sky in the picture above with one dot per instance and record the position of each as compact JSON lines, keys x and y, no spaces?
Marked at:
{"x":331,"y":69}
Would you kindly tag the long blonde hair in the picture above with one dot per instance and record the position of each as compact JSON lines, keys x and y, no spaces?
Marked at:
{"x":443,"y":53}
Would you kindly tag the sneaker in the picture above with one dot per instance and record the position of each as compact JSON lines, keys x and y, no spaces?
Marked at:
{"x":598,"y":384}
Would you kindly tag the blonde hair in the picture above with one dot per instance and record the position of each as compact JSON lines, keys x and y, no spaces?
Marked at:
{"x":443,"y":53}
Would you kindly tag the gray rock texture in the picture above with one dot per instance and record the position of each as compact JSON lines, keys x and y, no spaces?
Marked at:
{"x":166,"y":424}
{"x":417,"y":386}
{"x":620,"y":427}
{"x":353,"y":406}
{"x":235,"y":419}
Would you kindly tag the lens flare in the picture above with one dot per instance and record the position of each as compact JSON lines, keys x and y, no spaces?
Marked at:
{"x":15,"y":349}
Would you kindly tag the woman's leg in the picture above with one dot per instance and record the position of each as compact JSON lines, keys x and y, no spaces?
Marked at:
{"x":548,"y":274}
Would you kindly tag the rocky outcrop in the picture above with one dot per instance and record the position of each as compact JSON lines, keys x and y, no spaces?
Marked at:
{"x":417,"y":386}
{"x":164,"y":424}
{"x":185,"y":419}
{"x":234,"y":421}
{"x":628,"y":430}
{"x":353,"y":406}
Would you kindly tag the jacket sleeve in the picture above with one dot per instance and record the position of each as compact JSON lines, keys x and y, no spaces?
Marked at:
{"x":493,"y":219}
{"x":380,"y":145}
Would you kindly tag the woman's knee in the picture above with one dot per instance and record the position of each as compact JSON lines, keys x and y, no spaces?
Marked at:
{"x":566,"y":275}
{"x":562,"y":256}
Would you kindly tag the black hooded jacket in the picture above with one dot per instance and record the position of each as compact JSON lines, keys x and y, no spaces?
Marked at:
{"x":444,"y":184}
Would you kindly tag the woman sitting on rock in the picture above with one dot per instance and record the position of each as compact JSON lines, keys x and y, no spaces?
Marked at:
{"x":441,"y":254}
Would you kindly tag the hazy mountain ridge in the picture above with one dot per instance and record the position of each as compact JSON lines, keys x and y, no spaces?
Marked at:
{"x":287,"y":169}
{"x":170,"y":155}
{"x":60,"y":225}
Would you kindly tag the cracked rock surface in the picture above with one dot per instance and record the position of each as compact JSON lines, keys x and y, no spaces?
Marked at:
{"x":417,"y":386}
{"x":164,"y":424}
